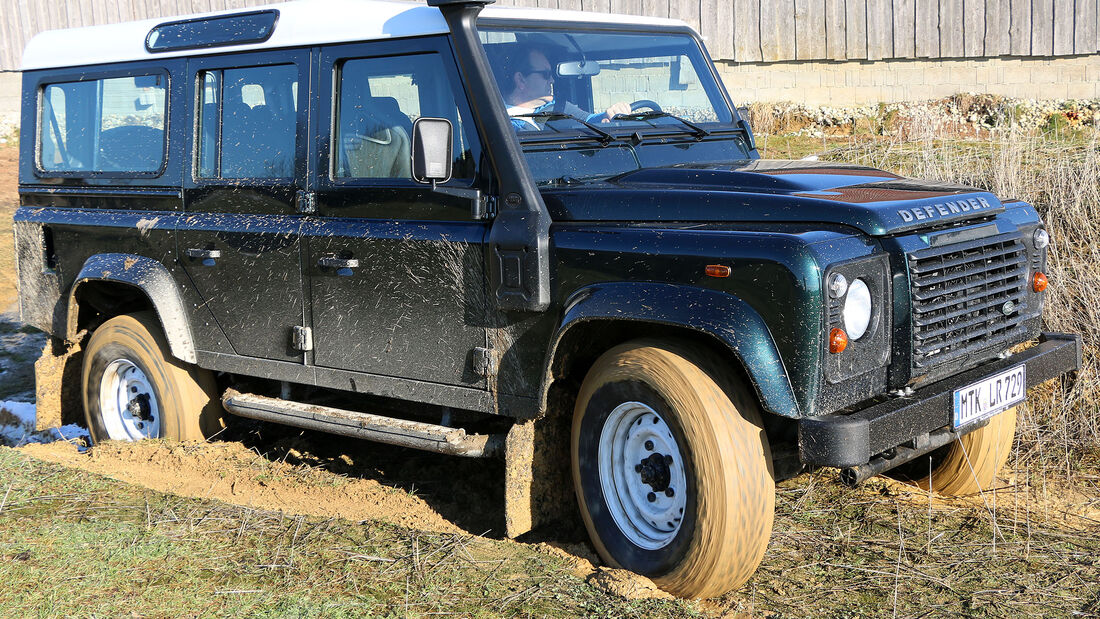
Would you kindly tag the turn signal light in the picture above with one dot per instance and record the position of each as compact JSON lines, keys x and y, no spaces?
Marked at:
{"x":838,"y":340}
{"x":718,"y":270}
{"x":1039,"y":282}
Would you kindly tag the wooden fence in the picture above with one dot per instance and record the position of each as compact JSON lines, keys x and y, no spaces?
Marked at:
{"x":736,"y":30}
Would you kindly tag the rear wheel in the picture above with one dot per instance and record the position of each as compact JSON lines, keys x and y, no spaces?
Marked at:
{"x":134,"y":389}
{"x":672,"y":468}
{"x":968,"y":465}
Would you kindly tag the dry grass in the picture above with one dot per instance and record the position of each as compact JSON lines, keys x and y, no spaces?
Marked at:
{"x":1060,"y":175}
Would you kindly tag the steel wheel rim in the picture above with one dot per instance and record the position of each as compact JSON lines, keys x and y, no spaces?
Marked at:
{"x":127,"y":403}
{"x":642,"y":475}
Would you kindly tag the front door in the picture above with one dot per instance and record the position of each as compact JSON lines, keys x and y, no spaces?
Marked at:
{"x":240,"y":240}
{"x":396,"y":270}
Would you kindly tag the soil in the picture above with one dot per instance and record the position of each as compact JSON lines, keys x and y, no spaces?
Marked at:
{"x":9,"y":174}
{"x":314,"y":475}
{"x":231,"y":472}
{"x":626,"y":584}
{"x":9,"y":200}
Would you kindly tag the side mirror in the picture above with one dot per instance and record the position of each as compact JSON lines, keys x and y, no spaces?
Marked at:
{"x":431,"y":150}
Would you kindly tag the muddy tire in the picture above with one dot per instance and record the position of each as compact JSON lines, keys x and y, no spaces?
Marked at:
{"x":968,"y":465}
{"x":134,"y":389}
{"x":672,"y":468}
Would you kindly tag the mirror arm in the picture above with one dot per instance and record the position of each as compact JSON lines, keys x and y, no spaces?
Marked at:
{"x":481,"y":206}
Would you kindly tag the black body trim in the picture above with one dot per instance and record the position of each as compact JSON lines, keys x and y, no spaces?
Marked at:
{"x":852,"y":439}
{"x":357,"y":382}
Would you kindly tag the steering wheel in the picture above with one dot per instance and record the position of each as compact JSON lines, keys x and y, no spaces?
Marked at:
{"x":642,"y":104}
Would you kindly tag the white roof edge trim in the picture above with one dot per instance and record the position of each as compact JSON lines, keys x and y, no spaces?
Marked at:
{"x":301,"y":23}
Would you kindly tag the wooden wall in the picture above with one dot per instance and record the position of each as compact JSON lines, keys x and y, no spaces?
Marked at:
{"x":737,"y":30}
{"x":22,"y":19}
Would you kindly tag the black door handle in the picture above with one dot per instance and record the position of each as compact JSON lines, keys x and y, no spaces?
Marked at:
{"x":343,"y":266}
{"x":208,"y":256}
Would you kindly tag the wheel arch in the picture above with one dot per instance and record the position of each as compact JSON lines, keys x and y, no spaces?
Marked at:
{"x":604,"y":315}
{"x":115,"y":284}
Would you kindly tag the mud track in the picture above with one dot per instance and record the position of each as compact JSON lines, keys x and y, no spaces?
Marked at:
{"x":274,"y":468}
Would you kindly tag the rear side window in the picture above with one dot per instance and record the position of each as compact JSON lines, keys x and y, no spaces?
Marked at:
{"x":107,"y":125}
{"x":248,"y":122}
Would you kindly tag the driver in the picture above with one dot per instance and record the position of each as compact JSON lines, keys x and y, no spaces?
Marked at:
{"x":530,"y":89}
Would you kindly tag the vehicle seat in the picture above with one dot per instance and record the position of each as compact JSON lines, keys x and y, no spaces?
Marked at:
{"x":375,"y":141}
{"x":131,"y":148}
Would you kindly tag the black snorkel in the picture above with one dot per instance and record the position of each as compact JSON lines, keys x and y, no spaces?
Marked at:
{"x":519,"y":239}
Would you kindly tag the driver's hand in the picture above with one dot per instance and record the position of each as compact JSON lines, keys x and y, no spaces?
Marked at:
{"x":622,"y":107}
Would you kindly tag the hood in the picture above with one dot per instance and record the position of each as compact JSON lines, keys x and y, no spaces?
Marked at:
{"x":771,"y":191}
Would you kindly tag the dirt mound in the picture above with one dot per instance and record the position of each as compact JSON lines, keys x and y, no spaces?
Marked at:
{"x":626,"y":584}
{"x":230,"y":472}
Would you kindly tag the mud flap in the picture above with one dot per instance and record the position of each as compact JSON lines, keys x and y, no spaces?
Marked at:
{"x":57,"y":384}
{"x":519,"y":458}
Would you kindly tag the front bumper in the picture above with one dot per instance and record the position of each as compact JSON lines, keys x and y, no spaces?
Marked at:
{"x":852,"y":439}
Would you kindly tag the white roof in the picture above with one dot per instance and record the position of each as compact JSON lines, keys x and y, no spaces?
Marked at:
{"x":301,"y":23}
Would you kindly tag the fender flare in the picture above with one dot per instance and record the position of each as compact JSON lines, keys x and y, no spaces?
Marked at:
{"x":722,"y":316}
{"x":153,"y":279}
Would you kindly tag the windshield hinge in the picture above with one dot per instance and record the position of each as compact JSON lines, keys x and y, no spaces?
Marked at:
{"x":486,"y":207}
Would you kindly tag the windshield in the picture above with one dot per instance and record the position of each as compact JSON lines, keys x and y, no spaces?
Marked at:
{"x":556,"y":80}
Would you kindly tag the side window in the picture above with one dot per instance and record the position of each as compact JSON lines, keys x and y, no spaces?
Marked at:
{"x":377,"y":101}
{"x":248,"y":122}
{"x":106,"y":125}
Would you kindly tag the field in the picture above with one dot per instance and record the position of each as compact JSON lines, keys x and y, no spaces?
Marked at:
{"x":273,"y":522}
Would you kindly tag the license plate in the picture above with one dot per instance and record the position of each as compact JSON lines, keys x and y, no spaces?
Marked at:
{"x":990,"y":396}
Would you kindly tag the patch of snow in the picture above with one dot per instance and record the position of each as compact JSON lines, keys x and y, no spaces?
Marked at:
{"x":17,"y":427}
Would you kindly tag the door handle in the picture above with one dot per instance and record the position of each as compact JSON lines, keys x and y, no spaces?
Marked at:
{"x":208,"y":256}
{"x":343,"y":266}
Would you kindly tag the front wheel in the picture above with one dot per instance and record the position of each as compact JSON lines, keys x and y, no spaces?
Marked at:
{"x":672,"y":468}
{"x":134,"y":389}
{"x":968,"y":465}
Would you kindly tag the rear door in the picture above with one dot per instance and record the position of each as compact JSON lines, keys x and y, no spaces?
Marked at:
{"x":240,"y":239}
{"x":396,"y":270}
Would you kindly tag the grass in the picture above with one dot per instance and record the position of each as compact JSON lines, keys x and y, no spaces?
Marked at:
{"x":884,"y":550}
{"x":73,"y":543}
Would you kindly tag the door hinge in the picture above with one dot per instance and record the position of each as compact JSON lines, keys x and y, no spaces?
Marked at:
{"x":483,"y":362}
{"x":306,"y":201}
{"x":303,"y":338}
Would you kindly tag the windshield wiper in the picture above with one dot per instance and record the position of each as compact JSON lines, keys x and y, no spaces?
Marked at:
{"x":696,"y":130}
{"x":605,"y":137}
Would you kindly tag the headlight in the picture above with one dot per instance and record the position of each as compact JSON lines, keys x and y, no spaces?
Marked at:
{"x":1041,"y":238}
{"x":862,"y":312}
{"x":857,"y":309}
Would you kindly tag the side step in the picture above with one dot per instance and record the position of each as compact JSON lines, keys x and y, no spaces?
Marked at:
{"x":414,"y":434}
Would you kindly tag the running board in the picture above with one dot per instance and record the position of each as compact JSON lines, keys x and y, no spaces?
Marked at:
{"x":414,"y":434}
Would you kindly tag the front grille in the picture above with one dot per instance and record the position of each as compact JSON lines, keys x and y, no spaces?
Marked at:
{"x":967,"y":297}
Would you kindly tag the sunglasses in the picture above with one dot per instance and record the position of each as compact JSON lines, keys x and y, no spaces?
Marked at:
{"x":547,"y":74}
